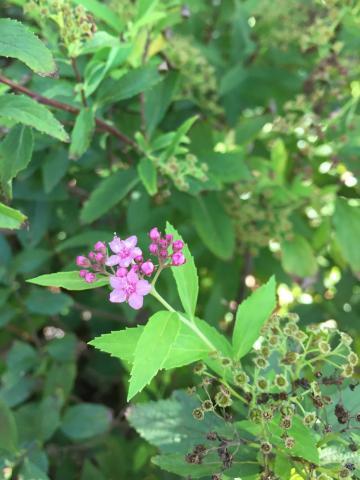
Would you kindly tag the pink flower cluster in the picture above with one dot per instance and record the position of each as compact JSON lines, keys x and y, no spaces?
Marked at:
{"x":126,"y":266}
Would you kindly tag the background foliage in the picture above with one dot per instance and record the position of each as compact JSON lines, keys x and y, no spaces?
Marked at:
{"x":238,"y":121}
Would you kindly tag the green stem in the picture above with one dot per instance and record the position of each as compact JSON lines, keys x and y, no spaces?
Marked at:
{"x":184,"y":320}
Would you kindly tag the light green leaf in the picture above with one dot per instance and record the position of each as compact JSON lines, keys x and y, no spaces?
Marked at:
{"x":251,"y":315}
{"x":161,"y":330}
{"x":10,"y":218}
{"x":179,"y":137}
{"x":108,"y":193}
{"x":347,"y":231}
{"x":27,"y":111}
{"x":67,"y":280}
{"x":186,"y":277}
{"x":104,"y":13}
{"x":132,"y":83}
{"x":298,"y":257}
{"x":148,"y":175}
{"x":8,"y":430}
{"x":86,"y":420}
{"x":279,"y":159}
{"x":82,"y":133}
{"x":17,"y":41}
{"x":15,"y":154}
{"x":213,"y":225}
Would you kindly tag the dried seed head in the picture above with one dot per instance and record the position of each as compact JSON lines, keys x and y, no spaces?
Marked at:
{"x":344,"y":473}
{"x":347,"y":371}
{"x":255,"y":415}
{"x":286,"y":422}
{"x":225,"y":362}
{"x":309,"y":419}
{"x":346,"y":339}
{"x":207,"y":405}
{"x":199,"y":368}
{"x":265,"y":447}
{"x":223,"y":400}
{"x":198,"y":414}
{"x":281,"y":381}
{"x":353,"y":359}
{"x":261,"y":362}
{"x":289,"y":442}
{"x":324,"y":347}
{"x":241,"y":379}
{"x":290,"y":358}
{"x":262,"y":383}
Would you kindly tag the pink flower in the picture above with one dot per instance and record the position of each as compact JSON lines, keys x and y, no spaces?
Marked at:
{"x":154,"y":234}
{"x":125,"y":251}
{"x":82,"y":273}
{"x":147,"y":267}
{"x":153,"y":248}
{"x":100,"y":247}
{"x":178,"y":245}
{"x":90,"y":277}
{"x":178,"y":259}
{"x":129,"y":289}
{"x":82,"y":261}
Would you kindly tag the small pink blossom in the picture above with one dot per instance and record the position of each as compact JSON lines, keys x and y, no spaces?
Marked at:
{"x":129,"y":289}
{"x":121,"y":272}
{"x":100,"y":257}
{"x":153,"y":248}
{"x":178,"y":259}
{"x":90,"y":277}
{"x":82,"y":261}
{"x":82,"y":273}
{"x":154,"y":234}
{"x":125,"y":251}
{"x":147,"y":267}
{"x":169,"y":238}
{"x":100,"y":247}
{"x":178,"y":245}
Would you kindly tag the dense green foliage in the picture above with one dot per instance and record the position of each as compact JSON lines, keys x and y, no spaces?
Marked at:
{"x":238,"y":122}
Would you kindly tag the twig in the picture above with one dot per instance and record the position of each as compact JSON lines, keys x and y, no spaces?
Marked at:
{"x":79,"y":81}
{"x":101,"y":124}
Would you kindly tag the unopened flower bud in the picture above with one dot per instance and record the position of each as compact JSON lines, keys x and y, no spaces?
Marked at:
{"x":169,"y":238}
{"x":153,"y":248}
{"x":82,"y":261}
{"x":147,"y":267}
{"x":82,"y":273}
{"x":154,"y":234}
{"x":90,"y":277}
{"x":163,"y":253}
{"x":178,"y":245}
{"x":100,"y":247}
{"x":121,"y":272}
{"x":100,"y":257}
{"x":139,"y":259}
{"x":178,"y":259}
{"x":92,"y":255}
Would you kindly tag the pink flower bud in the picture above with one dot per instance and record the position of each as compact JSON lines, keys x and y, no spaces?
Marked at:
{"x":169,"y":238}
{"x":90,"y":277}
{"x":100,"y":247}
{"x":82,"y":273}
{"x":178,"y":245}
{"x":153,"y":248}
{"x":178,"y":259}
{"x":82,"y":261}
{"x":163,"y":253}
{"x":139,"y":259}
{"x":135,"y":268}
{"x":100,"y":257}
{"x":154,"y":234}
{"x":147,"y":267}
{"x":163,"y":243}
{"x":92,"y":255}
{"x":121,"y":272}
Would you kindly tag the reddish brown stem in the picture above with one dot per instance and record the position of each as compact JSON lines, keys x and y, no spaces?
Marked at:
{"x":101,"y":124}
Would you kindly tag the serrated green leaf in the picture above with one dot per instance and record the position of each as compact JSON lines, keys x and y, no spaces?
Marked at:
{"x":251,"y":315}
{"x":67,"y":280}
{"x":15,"y":154}
{"x":186,"y":277}
{"x":11,"y":218}
{"x":108,"y":193}
{"x":17,"y":41}
{"x":213,"y":225}
{"x":148,"y":175}
{"x":27,"y":111}
{"x":161,"y":330}
{"x":82,"y":133}
{"x":178,"y":137}
{"x":346,"y":221}
{"x":8,"y":430}
{"x":297,"y":257}
{"x":86,"y":420}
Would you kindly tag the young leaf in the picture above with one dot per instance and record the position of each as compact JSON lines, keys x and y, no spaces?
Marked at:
{"x":186,"y":277}
{"x":67,"y":280}
{"x":86,"y":420}
{"x":161,"y":330}
{"x":251,"y":316}
{"x":8,"y":430}
{"x":10,"y":218}
{"x":298,"y":257}
{"x":108,"y":193}
{"x":82,"y":133}
{"x":213,"y":225}
{"x":346,"y":217}
{"x":120,"y":344}
{"x":148,"y":175}
{"x":15,"y":153}
{"x":17,"y":41}
{"x":27,"y":111}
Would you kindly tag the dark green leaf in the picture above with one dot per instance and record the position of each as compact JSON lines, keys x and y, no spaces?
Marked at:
{"x":82,"y":133}
{"x":298,"y":257}
{"x":8,"y":430}
{"x":86,"y":420}
{"x":347,"y":219}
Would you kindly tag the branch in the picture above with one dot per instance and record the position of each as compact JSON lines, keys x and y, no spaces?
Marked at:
{"x":101,"y":124}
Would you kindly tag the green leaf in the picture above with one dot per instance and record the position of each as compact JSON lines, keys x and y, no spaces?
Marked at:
{"x":279,"y":159}
{"x":179,"y":137}
{"x":10,"y":218}
{"x":161,"y":330}
{"x":67,"y":280}
{"x":148,"y":175}
{"x":283,"y":465}
{"x":54,"y":168}
{"x":108,"y":193}
{"x":15,"y":153}
{"x":251,"y":316}
{"x":86,"y":420}
{"x":227,"y":167}
{"x":17,"y":41}
{"x":132,"y":83}
{"x":297,"y":257}
{"x":27,"y":111}
{"x":100,"y":10}
{"x":45,"y":302}
{"x":213,"y":225}
{"x":8,"y":430}
{"x":346,"y":221}
{"x":120,"y":344}
{"x":82,"y":133}
{"x":175,"y":463}
{"x":186,"y":277}
{"x":30,"y":471}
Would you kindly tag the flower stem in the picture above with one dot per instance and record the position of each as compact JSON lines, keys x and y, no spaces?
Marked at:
{"x":184,"y":320}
